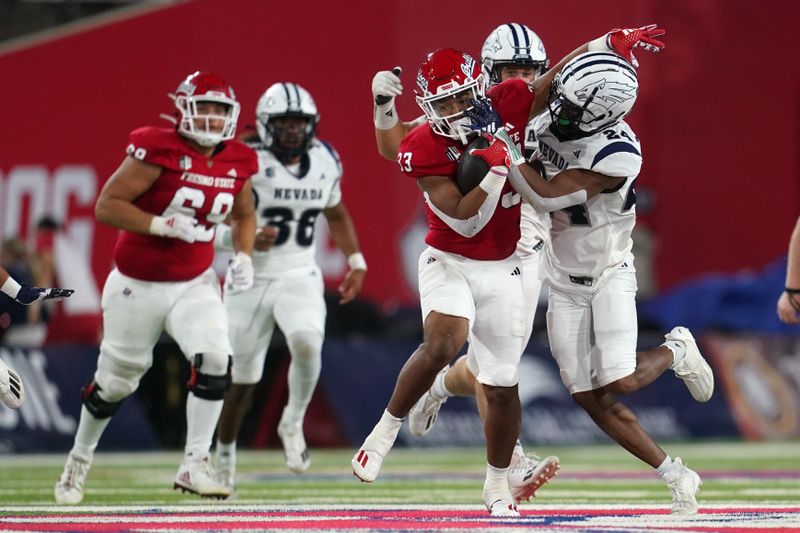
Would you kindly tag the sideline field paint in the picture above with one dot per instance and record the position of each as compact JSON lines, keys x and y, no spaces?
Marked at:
{"x":724,"y":517}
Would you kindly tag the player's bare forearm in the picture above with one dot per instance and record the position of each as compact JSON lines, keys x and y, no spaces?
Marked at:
{"x":342,"y":230}
{"x":388,"y":141}
{"x":122,"y":214}
{"x":115,"y":205}
{"x":793,"y":268}
{"x":443,"y":193}
{"x":243,"y":220}
{"x":541,"y":85}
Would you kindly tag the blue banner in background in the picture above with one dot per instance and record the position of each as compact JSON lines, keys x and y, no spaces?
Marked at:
{"x":359,"y":376}
{"x":48,"y":418}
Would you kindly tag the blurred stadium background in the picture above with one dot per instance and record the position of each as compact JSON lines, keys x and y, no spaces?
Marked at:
{"x":718,"y":117}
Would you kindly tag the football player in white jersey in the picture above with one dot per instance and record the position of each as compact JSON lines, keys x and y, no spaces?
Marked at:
{"x":298,"y":178}
{"x":511,"y":51}
{"x":590,"y":155}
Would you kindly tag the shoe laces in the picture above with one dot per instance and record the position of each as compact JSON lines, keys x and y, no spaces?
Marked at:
{"x":75,"y":472}
{"x":526,"y":462}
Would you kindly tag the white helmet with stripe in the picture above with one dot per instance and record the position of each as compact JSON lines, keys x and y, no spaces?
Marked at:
{"x":285,"y":100}
{"x":592,"y":92}
{"x":512,"y":44}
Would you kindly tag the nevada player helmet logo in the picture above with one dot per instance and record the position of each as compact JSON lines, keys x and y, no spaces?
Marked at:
{"x":592,"y":92}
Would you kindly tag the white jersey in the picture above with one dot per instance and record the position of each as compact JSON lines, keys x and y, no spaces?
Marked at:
{"x":291,"y":199}
{"x":589,"y":241}
{"x":534,"y":226}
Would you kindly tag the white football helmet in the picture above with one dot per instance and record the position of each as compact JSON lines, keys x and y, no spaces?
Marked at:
{"x":512,"y":44}
{"x":201,"y":87}
{"x":592,"y":92}
{"x":285,"y":100}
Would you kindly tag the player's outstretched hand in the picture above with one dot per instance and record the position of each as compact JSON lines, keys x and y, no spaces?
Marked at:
{"x":386,"y":85}
{"x":351,"y":285}
{"x":29,"y":295}
{"x":483,"y":116}
{"x":623,"y":41}
{"x":239,"y":276}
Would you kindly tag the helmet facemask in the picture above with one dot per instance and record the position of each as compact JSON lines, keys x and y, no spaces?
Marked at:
{"x":197,"y":125}
{"x":274,"y":133}
{"x":438,"y":108}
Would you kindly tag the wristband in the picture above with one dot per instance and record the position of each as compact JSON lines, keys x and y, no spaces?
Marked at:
{"x":357,"y":261}
{"x":791,"y":291}
{"x":11,"y":287}
{"x":223,"y":240}
{"x":600,"y":44}
{"x":385,"y":116}
{"x":494,"y":180}
{"x":158,"y":226}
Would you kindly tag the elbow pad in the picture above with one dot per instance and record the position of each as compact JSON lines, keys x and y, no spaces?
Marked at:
{"x":540,"y":203}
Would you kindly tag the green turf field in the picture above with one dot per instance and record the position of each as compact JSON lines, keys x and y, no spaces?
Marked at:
{"x":732,"y":472}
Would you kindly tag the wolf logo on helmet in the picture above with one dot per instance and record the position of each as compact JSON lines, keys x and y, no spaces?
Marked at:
{"x":592,"y":92}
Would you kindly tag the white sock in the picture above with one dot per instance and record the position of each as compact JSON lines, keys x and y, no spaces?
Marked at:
{"x":439,"y":389}
{"x":201,"y":421}
{"x":496,"y":478}
{"x":90,"y":429}
{"x":304,"y":369}
{"x":664,"y":466}
{"x":678,"y":351}
{"x":384,"y":434}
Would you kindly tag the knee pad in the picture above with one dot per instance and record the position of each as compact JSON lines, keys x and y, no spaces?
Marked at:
{"x":306,"y":345}
{"x":100,"y":408}
{"x":204,"y":384}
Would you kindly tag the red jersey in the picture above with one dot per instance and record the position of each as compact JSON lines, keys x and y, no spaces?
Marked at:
{"x":192,"y":184}
{"x":423,"y":153}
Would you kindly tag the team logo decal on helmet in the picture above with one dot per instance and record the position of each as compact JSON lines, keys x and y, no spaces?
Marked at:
{"x":592,"y":92}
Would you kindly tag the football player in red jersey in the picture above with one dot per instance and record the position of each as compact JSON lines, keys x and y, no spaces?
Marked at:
{"x":12,"y":392}
{"x":166,"y":197}
{"x":511,"y":51}
{"x":470,"y":282}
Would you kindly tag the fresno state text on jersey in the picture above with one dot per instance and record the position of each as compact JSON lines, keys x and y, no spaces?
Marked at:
{"x":423,"y":153}
{"x":192,"y":184}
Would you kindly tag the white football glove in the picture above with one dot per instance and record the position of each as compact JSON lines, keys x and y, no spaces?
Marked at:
{"x":175,"y":226}
{"x":386,"y":85}
{"x":239,"y":276}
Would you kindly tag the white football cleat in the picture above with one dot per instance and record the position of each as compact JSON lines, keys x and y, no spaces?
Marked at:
{"x":12,"y":392}
{"x":225,"y":470}
{"x":424,"y":413}
{"x":693,"y":369}
{"x":294,"y":446}
{"x":499,"y":503}
{"x":367,"y":465}
{"x":69,"y":488}
{"x":196,"y":475}
{"x":528,"y":473}
{"x":684,"y":484}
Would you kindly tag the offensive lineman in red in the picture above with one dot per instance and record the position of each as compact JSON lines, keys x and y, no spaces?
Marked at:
{"x":166,"y":197}
{"x":470,"y":280}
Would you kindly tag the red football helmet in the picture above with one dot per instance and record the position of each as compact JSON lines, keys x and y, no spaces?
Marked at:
{"x":196,"y":125}
{"x":446,"y":79}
